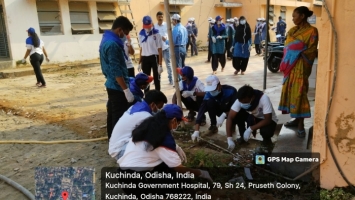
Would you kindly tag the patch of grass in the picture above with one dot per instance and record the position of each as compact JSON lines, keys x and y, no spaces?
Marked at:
{"x":203,"y":159}
{"x":335,"y":194}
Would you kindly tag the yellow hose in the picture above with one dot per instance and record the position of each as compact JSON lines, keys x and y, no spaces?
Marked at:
{"x":51,"y":142}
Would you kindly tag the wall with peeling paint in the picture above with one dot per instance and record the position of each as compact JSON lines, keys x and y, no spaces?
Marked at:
{"x":342,"y":114}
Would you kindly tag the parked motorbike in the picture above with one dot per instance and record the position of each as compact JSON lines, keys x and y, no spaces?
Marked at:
{"x":274,"y":57}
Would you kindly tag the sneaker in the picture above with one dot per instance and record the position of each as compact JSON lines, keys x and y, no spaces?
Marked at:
{"x":212,"y":129}
{"x":38,"y":84}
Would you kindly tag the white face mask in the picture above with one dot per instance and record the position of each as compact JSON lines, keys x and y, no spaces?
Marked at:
{"x":219,"y":22}
{"x":147,"y":30}
{"x":242,"y":22}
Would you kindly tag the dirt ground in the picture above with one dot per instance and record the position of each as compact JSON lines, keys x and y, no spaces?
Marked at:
{"x":71,"y":107}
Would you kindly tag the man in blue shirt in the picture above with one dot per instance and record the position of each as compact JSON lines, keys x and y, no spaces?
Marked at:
{"x":281,"y":29}
{"x":180,"y":40}
{"x":113,"y":66}
{"x":218,"y":101}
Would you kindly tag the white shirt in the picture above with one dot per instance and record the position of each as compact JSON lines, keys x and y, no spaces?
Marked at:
{"x":163,"y":31}
{"x":29,"y":45}
{"x":199,"y":87}
{"x":136,"y":156}
{"x":151,"y":46}
{"x":129,"y":62}
{"x":122,"y":131}
{"x":264,"y":107}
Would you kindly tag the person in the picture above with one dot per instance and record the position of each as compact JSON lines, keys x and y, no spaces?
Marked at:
{"x":163,"y":31}
{"x":281,"y":29}
{"x":129,"y":50}
{"x":151,"y":51}
{"x":255,"y":108}
{"x":113,"y":66}
{"x":153,"y":149}
{"x":139,"y":83}
{"x":296,"y":65}
{"x":35,"y":49}
{"x":236,"y":23}
{"x":257,"y":37}
{"x":188,"y":27}
{"x":180,"y":40}
{"x":153,"y":101}
{"x":209,"y":39}
{"x":242,"y":47}
{"x":217,"y":102}
{"x":230,"y":41}
{"x":192,"y":92}
{"x":218,"y":35}
{"x":194,"y":38}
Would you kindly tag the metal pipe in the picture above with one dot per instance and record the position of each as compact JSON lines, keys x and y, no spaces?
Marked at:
{"x":266,"y":43}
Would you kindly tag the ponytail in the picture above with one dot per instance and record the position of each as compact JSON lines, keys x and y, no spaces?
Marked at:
{"x":35,"y":39}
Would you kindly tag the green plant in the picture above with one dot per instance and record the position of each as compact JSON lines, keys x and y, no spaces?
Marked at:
{"x":203,"y":159}
{"x":335,"y":194}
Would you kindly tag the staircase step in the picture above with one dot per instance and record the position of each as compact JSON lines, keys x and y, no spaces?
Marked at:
{"x":126,"y":11}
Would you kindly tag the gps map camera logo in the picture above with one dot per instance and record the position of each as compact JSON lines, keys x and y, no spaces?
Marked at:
{"x":260,"y":159}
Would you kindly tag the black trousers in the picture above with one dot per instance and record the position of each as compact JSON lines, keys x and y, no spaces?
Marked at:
{"x":257,"y":48}
{"x":117,"y":104}
{"x":266,"y":131}
{"x":209,"y":52}
{"x":192,"y":105}
{"x":36,"y":62}
{"x":131,"y":72}
{"x":221,"y":58}
{"x":240,"y":64}
{"x":228,"y":47}
{"x":193,"y":46}
{"x":150,"y":63}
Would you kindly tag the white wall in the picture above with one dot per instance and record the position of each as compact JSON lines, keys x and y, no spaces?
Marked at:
{"x":22,"y":14}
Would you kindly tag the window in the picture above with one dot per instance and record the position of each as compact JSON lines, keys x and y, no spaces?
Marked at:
{"x":283,"y":12}
{"x":80,"y":18}
{"x":228,"y":13}
{"x":49,"y":17}
{"x":106,"y":14}
{"x":271,"y":15}
{"x":174,"y":10}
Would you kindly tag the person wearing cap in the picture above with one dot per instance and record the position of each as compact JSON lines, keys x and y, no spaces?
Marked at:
{"x":255,"y":108}
{"x":128,"y":48}
{"x":151,"y":51}
{"x":152,"y":102}
{"x":113,"y":66}
{"x":194,"y":38}
{"x":153,"y":148}
{"x":281,"y":29}
{"x":35,"y":49}
{"x":257,"y":36}
{"x":209,"y":39}
{"x":180,"y":40}
{"x":163,"y":31}
{"x":217,"y":102}
{"x":192,"y":92}
{"x":242,"y":46}
{"x":230,"y":40}
{"x":139,"y":83}
{"x":218,"y":35}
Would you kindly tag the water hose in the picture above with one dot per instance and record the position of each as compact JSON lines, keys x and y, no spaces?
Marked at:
{"x":28,"y":194}
{"x":51,"y":142}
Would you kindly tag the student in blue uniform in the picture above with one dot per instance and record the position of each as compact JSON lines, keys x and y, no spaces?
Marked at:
{"x":139,"y":83}
{"x":281,"y":29}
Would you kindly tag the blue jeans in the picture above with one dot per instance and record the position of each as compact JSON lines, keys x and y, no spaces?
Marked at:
{"x":180,"y":54}
{"x":166,"y":57}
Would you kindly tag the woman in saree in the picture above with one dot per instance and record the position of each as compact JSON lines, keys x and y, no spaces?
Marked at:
{"x":299,"y":54}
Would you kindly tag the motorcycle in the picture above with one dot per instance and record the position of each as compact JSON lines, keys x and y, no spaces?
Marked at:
{"x":274,"y":57}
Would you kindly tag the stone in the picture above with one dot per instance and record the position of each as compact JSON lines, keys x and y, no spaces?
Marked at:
{"x":72,"y":160}
{"x":16,"y":169}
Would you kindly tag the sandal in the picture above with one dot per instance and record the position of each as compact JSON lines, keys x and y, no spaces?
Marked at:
{"x":301,"y":133}
{"x":236,"y":72}
{"x":292,"y":123}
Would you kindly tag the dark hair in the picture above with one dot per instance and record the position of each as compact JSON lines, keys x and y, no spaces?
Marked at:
{"x":280,"y":17}
{"x":304,"y":10}
{"x":155,"y":96}
{"x":245,"y":92}
{"x":159,"y":13}
{"x":241,"y":17}
{"x":152,"y":130}
{"x":35,"y":39}
{"x":123,"y":23}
